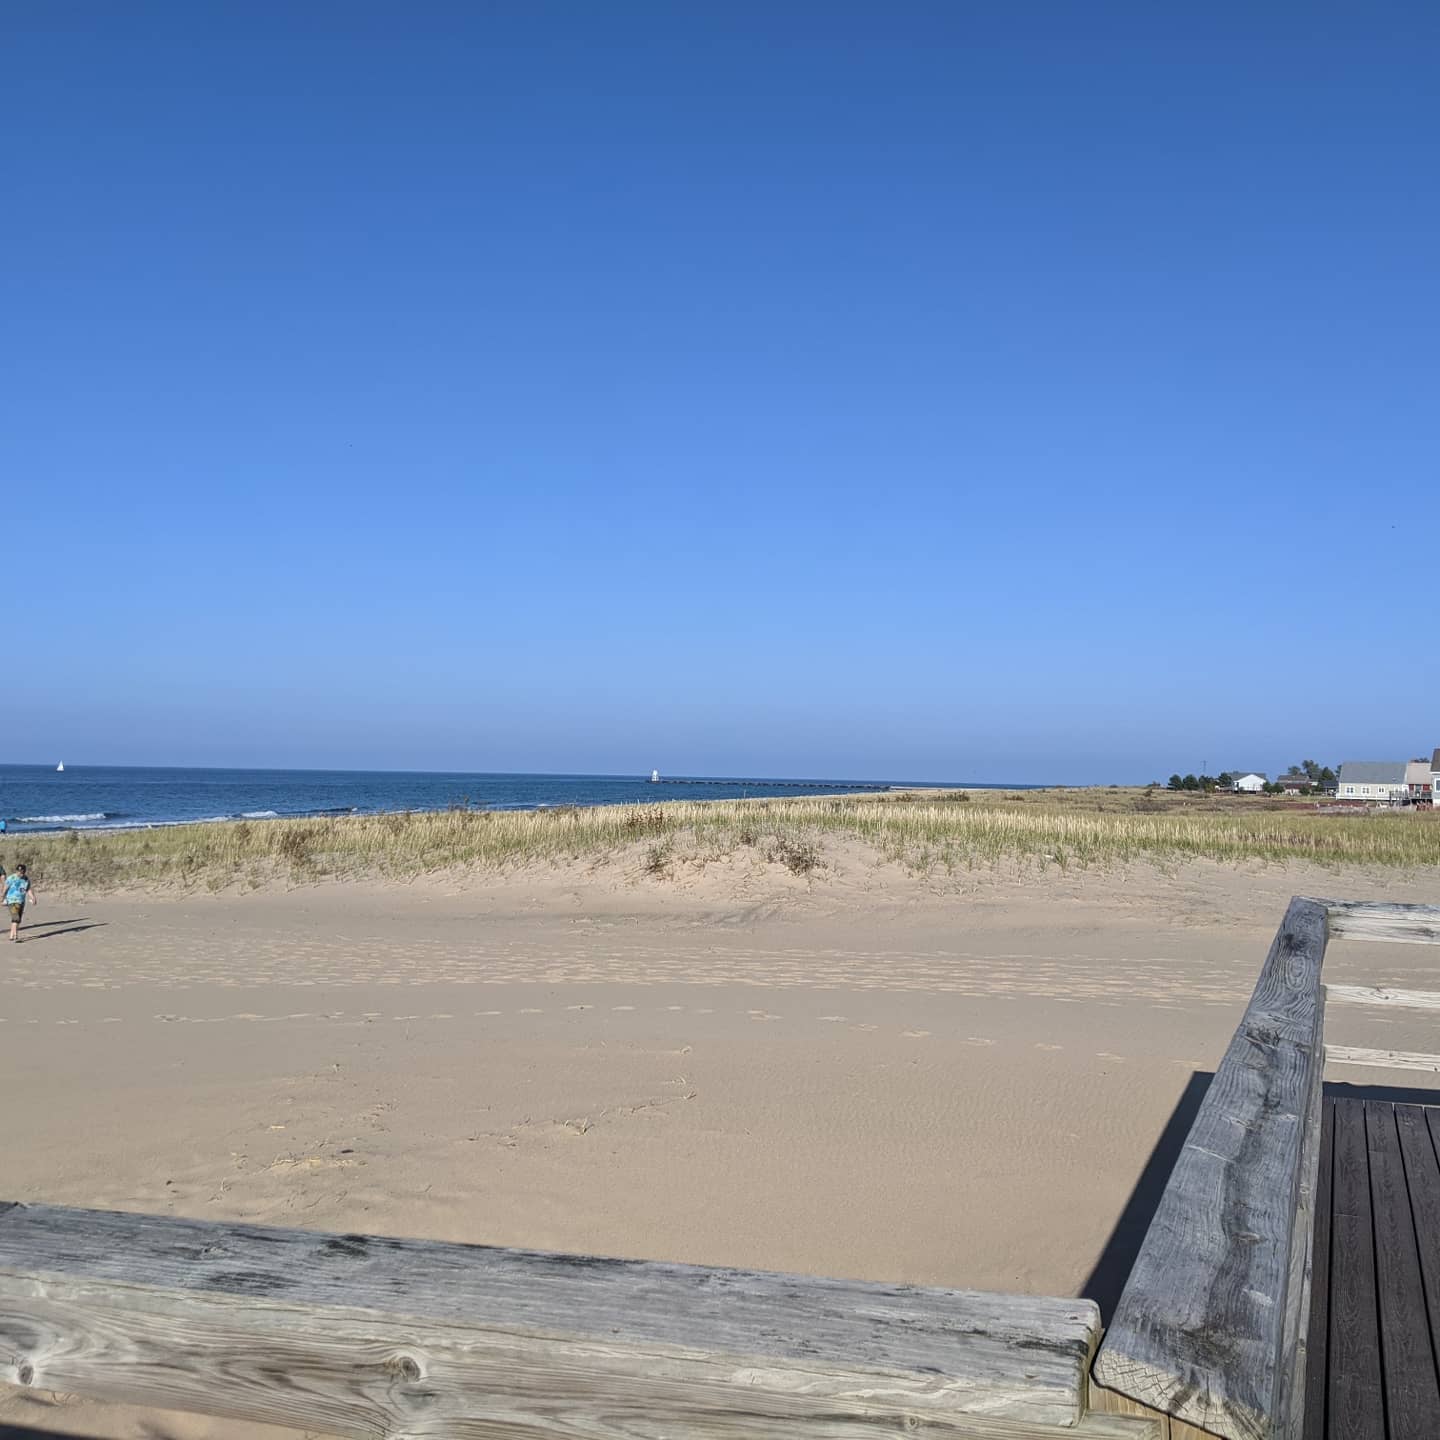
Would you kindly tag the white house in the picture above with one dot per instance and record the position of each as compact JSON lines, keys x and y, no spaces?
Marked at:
{"x":1376,"y":780}
{"x":1247,"y":782}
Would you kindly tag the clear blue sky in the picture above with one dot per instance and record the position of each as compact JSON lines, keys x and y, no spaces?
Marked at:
{"x":956,"y":390}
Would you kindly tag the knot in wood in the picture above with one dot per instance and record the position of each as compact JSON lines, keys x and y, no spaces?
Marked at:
{"x":26,"y":1374}
{"x":405,"y":1367}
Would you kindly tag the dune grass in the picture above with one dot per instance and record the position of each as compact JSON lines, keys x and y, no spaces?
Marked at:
{"x":950,"y":831}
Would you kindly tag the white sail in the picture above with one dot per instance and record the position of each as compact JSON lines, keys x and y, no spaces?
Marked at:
{"x":654,"y":777}
{"x":60,"y":767}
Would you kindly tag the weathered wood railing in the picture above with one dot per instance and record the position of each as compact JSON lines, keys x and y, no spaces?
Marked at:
{"x":1211,"y":1326}
{"x":362,"y":1336}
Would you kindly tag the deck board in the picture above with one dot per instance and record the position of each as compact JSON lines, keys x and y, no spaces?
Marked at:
{"x":1373,"y":1363}
{"x":1412,"y":1396}
{"x":1356,"y":1405}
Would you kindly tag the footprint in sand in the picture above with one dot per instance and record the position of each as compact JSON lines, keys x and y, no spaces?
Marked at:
{"x":914,"y":1034}
{"x":1107,"y":1055}
{"x":1041,"y":1045}
{"x":978,"y":1040}
{"x":763,"y":1015}
{"x":835,"y":1019}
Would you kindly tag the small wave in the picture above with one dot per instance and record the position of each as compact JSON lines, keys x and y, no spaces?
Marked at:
{"x":59,"y":819}
{"x":259,"y":814}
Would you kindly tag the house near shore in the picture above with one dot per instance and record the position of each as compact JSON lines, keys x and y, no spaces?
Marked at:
{"x":1297,"y":784}
{"x":1379,"y":781}
{"x":1246,"y":782}
{"x":1420,"y":781}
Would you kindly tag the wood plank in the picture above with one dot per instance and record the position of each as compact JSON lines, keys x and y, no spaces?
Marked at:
{"x":1209,"y":1325}
{"x":1356,"y":1401}
{"x":1412,"y":1393}
{"x":1099,"y":1426}
{"x":1317,"y":1332}
{"x":1383,"y":995}
{"x":364,"y":1336}
{"x":1377,"y":920}
{"x":1100,"y":1401}
{"x":1422,"y":1179}
{"x":1381,"y":1059}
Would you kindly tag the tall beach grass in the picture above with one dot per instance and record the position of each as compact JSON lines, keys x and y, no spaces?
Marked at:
{"x":950,"y":831}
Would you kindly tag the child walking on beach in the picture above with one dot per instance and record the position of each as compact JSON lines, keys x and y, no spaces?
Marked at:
{"x":17,"y":891}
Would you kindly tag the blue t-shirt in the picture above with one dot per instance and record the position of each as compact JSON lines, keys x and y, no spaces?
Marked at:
{"x":15,"y":888}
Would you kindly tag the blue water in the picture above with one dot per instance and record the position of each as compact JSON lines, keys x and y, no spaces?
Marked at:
{"x":34,"y":797}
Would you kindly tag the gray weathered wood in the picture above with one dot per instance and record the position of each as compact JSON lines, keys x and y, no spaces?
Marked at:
{"x":364,"y":1336}
{"x":1377,"y":920}
{"x":1381,"y":1059}
{"x":1210,"y":1326}
{"x":1383,"y":995}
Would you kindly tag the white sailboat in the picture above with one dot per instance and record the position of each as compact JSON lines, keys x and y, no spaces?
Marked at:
{"x":60,"y":768}
{"x":654,"y":777}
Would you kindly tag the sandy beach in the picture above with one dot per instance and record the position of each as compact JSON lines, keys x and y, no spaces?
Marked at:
{"x":863,"y":1073}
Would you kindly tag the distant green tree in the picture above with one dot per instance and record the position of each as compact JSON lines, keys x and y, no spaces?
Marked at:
{"x":1273,"y":787}
{"x":1310,"y":768}
{"x":1225,"y":779}
{"x":1327,"y":778}
{"x":1208,"y":783}
{"x":1190,"y":782}
{"x":1175,"y":783}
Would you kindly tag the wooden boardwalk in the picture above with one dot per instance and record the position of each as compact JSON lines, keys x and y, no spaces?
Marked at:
{"x":1374,"y":1332}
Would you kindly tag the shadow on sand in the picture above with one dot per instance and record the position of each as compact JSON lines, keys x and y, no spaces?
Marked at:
{"x":48,"y":929}
{"x":1112,"y":1269}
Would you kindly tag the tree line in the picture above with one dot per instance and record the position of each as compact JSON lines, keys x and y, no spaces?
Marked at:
{"x":1321,"y":777}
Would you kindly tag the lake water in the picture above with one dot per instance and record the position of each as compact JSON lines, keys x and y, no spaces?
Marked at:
{"x":34,"y":797}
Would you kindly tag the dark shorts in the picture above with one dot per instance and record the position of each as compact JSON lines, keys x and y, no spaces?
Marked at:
{"x":17,"y":913}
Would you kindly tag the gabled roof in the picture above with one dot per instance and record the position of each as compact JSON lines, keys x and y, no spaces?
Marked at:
{"x":1296,"y":780}
{"x":1241,"y":774}
{"x":1372,"y":772}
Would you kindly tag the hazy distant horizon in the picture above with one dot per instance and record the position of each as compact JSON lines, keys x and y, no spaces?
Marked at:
{"x":958,"y":779}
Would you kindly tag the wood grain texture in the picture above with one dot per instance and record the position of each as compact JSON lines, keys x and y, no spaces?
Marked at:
{"x":1317,"y":1331}
{"x":1383,"y":995}
{"x":1290,"y":1416}
{"x":1412,"y":1394}
{"x":1422,"y":1178}
{"x":364,"y":1336}
{"x":1376,"y":920}
{"x":1381,"y":1059}
{"x":1356,"y":1403}
{"x":1109,"y":1402}
{"x":1209,"y":1326}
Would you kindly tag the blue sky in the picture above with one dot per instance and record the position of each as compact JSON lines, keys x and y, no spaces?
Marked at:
{"x":1034,"y":392}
